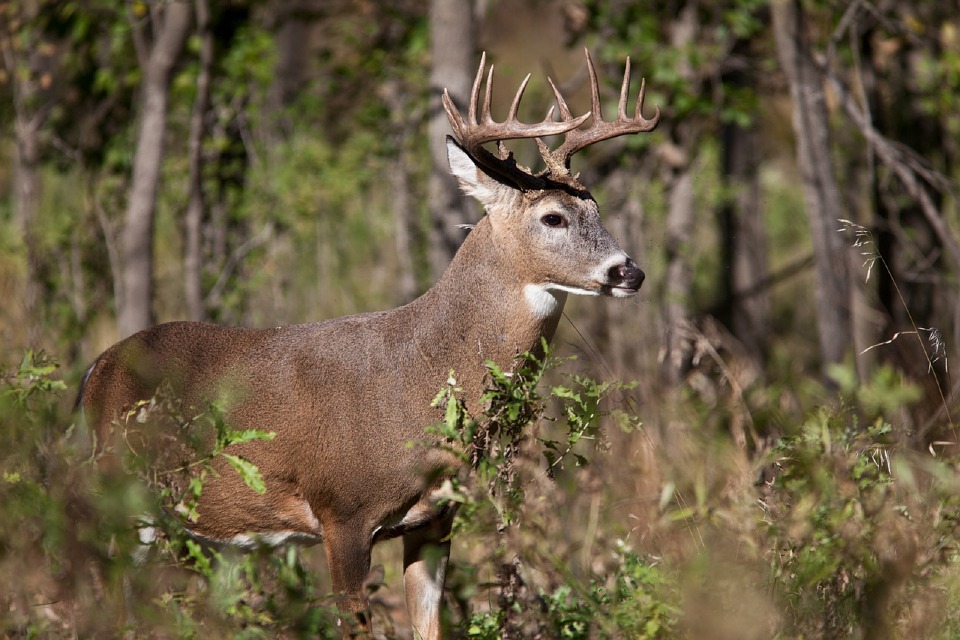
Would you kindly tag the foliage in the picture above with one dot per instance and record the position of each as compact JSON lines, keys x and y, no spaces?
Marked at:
{"x":498,"y":447}
{"x":681,"y":71}
{"x":637,"y":600}
{"x":854,"y":533}
{"x":853,"y":528}
{"x":105,"y":549}
{"x":494,"y":445}
{"x":32,"y":378}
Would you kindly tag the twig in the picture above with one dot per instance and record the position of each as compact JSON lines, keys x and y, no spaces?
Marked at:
{"x":893,"y":27}
{"x":864,"y":238}
{"x":113,"y":254}
{"x":139,"y":41}
{"x":694,"y":335}
{"x":848,"y":16}
{"x":235,"y":258}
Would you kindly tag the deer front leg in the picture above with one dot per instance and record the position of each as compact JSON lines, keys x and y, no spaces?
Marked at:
{"x":348,"y":558}
{"x":425,"y":555}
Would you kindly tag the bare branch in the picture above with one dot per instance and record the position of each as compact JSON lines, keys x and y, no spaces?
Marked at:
{"x":234,"y":260}
{"x":842,"y":27}
{"x":902,"y":161}
{"x":139,"y":39}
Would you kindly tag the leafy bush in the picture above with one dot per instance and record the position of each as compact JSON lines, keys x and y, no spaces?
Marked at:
{"x":856,"y":525}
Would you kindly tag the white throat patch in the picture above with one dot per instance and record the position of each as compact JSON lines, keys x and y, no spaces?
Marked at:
{"x":544,"y":300}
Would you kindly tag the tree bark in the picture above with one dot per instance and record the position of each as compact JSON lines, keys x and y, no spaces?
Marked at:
{"x":22,"y":62}
{"x":26,"y":202}
{"x":822,"y":196}
{"x":135,"y":311}
{"x":678,"y":280}
{"x":401,"y":200}
{"x":452,"y":48}
{"x":744,"y":243}
{"x":193,"y":227}
{"x":291,"y":20}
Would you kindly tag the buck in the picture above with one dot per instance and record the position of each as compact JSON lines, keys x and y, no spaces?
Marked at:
{"x":345,"y":397}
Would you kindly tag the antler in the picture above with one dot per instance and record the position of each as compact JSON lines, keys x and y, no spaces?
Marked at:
{"x":558,"y":160}
{"x":473,"y":133}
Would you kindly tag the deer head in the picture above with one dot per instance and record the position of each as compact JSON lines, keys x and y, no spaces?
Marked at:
{"x":547,"y":222}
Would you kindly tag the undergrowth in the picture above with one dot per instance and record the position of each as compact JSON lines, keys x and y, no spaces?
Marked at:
{"x":837,"y":528}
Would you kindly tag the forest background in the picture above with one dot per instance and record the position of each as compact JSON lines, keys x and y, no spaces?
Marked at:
{"x":264,"y":163}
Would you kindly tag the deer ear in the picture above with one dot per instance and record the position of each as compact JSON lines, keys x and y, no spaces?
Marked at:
{"x":474,"y":181}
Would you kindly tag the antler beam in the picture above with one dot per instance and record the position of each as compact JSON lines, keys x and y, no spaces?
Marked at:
{"x":474,"y":133}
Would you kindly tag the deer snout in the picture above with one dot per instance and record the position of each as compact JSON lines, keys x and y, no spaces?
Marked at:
{"x":625,"y":279}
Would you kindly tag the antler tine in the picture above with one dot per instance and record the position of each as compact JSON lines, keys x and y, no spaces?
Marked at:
{"x":655,"y":120}
{"x":599,"y":129}
{"x":564,"y":109}
{"x":515,"y":105}
{"x":485,"y":117}
{"x":474,"y":91}
{"x":624,"y":93}
{"x":595,"y":107}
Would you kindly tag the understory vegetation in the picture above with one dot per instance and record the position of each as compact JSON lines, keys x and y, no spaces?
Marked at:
{"x":566,"y":528}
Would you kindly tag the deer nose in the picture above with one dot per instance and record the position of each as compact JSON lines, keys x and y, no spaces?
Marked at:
{"x":627,"y":275}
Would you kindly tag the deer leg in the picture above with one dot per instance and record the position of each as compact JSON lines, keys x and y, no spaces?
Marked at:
{"x":348,"y":558}
{"x":425,"y":555}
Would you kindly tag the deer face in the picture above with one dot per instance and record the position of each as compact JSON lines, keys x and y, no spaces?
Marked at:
{"x":565,"y":246}
{"x":552,"y":238}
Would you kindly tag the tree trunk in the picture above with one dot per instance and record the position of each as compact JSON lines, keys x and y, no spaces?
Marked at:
{"x":135,"y":311}
{"x":452,"y":48}
{"x":291,"y":28}
{"x":401,"y":197}
{"x":26,"y":203}
{"x":822,"y":196}
{"x":744,"y":244}
{"x":193,"y":227}
{"x":30,"y":114}
{"x":678,"y":280}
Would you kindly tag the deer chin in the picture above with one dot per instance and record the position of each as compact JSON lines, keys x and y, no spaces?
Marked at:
{"x":621,"y":292}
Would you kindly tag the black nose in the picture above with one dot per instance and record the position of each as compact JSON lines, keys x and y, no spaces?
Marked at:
{"x":627,"y":275}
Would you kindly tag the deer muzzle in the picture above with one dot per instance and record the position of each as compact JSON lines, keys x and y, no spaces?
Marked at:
{"x":624,"y":279}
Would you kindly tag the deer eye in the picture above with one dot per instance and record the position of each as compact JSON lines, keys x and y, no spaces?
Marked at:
{"x":554,"y":220}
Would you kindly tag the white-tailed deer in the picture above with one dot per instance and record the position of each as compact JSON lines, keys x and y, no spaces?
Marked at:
{"x":345,"y":397}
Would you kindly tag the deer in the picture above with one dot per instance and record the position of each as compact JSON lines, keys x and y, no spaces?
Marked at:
{"x":345,"y":397}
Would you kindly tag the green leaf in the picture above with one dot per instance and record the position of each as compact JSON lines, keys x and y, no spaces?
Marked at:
{"x":248,"y":471}
{"x":201,"y":563}
{"x":249,"y":435}
{"x":453,"y":412}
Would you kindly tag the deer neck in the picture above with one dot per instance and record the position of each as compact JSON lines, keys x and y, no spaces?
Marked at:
{"x":482,"y":309}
